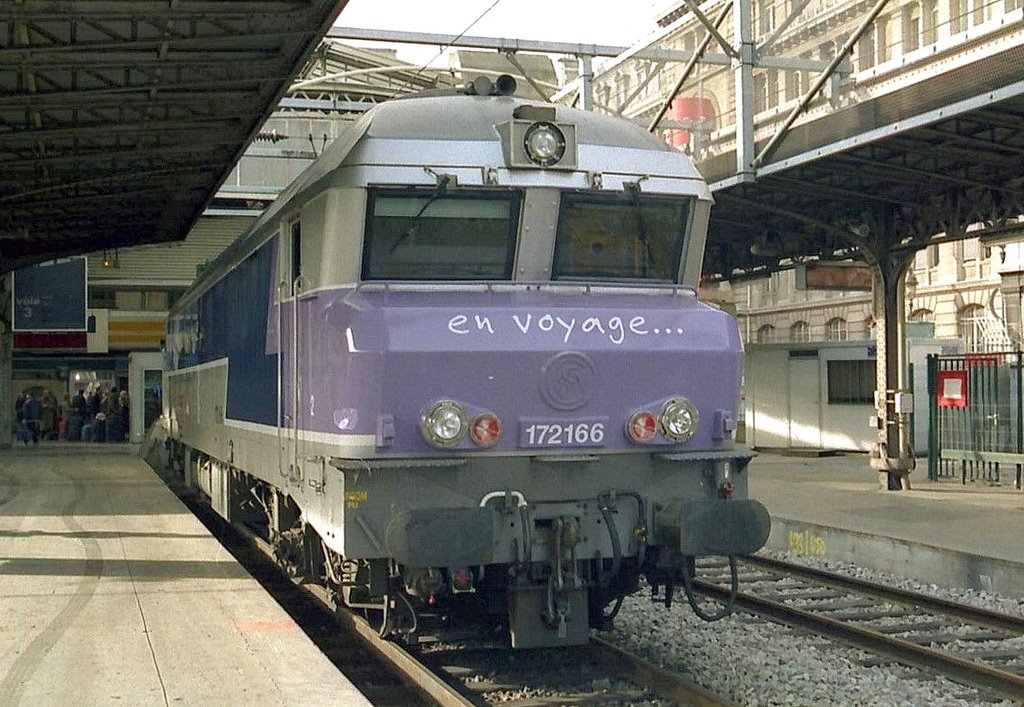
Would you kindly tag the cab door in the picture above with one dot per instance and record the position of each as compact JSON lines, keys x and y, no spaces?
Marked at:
{"x":289,"y":329}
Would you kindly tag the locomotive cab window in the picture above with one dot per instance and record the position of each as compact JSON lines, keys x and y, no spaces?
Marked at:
{"x":628,"y":236}
{"x":439,"y":235}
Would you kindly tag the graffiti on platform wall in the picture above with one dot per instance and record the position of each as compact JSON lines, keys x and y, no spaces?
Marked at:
{"x":806,"y":543}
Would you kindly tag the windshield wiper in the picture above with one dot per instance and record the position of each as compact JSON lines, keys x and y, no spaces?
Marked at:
{"x":440,"y":190}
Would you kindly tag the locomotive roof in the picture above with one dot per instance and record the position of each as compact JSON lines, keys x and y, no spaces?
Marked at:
{"x":460,"y":117}
{"x":453,"y":118}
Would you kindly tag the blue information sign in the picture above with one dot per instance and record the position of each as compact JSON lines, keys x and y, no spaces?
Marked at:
{"x":51,"y":296}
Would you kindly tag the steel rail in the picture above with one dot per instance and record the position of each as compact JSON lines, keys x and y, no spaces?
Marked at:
{"x":665,"y":683}
{"x":954,"y":667}
{"x":415,"y":673}
{"x":979,"y":616}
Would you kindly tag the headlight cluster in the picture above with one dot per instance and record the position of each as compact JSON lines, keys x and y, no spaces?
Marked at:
{"x":445,"y":424}
{"x":677,"y":422}
{"x":544,"y":143}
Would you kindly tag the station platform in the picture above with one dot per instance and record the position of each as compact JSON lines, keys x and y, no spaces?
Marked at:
{"x":939,"y":532}
{"x":111,"y":592}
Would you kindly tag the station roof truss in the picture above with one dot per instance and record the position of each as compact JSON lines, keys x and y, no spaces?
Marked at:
{"x":341,"y":78}
{"x":119,"y":119}
{"x":936,"y":161}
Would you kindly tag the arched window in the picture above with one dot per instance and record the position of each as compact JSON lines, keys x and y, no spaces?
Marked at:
{"x":800,"y":331}
{"x":968,"y":322}
{"x":836,"y":329}
{"x":766,"y":334}
{"x":922,"y":315}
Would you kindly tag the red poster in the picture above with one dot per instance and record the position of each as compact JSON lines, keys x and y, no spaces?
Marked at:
{"x":952,"y":389}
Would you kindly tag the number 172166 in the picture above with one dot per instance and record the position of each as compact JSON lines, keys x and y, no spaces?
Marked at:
{"x":563,"y":433}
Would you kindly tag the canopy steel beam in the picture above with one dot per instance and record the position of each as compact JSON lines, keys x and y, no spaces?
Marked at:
{"x":818,"y":83}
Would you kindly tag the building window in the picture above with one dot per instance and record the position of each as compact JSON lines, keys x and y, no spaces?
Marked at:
{"x":766,"y":17}
{"x":128,"y":300}
{"x":766,"y":334}
{"x":760,"y":92}
{"x":772,"y":88}
{"x":800,"y":331}
{"x":625,"y":85}
{"x":882,"y":39}
{"x":851,"y":382}
{"x":101,"y":299}
{"x":922,"y":315}
{"x":836,"y":329}
{"x":866,"y":49}
{"x":969,"y":321}
{"x":156,"y":301}
{"x":958,"y":13}
{"x":911,"y":28}
{"x":930,"y":19}
{"x":793,"y":91}
{"x":970,"y":257}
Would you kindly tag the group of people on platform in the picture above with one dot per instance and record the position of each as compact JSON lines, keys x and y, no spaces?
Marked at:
{"x":93,"y":414}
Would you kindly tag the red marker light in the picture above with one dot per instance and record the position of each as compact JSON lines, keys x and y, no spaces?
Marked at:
{"x":642,"y":427}
{"x":486,"y":430}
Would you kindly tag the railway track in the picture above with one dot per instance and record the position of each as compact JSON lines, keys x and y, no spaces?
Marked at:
{"x":595,"y":674}
{"x":453,"y":675}
{"x":972,"y":646}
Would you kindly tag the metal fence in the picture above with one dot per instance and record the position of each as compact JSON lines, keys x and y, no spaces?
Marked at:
{"x":976,"y":426}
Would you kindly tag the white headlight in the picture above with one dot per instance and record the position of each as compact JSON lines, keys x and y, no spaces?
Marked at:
{"x":544,"y":143}
{"x":444,"y":424}
{"x":678,"y":419}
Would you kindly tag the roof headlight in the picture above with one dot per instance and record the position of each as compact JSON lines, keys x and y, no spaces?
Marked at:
{"x":544,"y":143}
{"x":678,"y":419}
{"x":444,"y":424}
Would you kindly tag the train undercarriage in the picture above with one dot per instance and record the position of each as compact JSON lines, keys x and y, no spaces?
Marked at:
{"x":549,"y":595}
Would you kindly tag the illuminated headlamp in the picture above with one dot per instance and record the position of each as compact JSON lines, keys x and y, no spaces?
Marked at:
{"x":444,"y":424}
{"x":544,"y":144}
{"x":678,"y":420}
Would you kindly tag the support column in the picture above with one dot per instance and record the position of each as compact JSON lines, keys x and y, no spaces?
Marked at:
{"x":587,"y":82}
{"x":892,"y":456}
{"x":743,"y":69}
{"x":6,"y":367}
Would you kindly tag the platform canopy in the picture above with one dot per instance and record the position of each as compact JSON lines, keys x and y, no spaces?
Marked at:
{"x":916,"y":166}
{"x":119,"y":119}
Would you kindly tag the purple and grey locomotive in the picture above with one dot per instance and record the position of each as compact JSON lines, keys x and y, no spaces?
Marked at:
{"x":459,"y":372}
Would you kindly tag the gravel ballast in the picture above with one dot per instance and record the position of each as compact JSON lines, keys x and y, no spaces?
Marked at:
{"x":752,"y":661}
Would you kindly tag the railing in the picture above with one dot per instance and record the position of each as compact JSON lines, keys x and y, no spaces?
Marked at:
{"x":976,"y":419}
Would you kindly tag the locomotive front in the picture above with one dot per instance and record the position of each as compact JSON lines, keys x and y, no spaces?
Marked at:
{"x":551,"y":409}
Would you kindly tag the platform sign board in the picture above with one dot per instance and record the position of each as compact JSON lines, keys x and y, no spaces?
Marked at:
{"x":51,"y":296}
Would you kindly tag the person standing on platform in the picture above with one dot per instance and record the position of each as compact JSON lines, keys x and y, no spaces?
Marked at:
{"x":64,"y":418}
{"x":30,"y":412}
